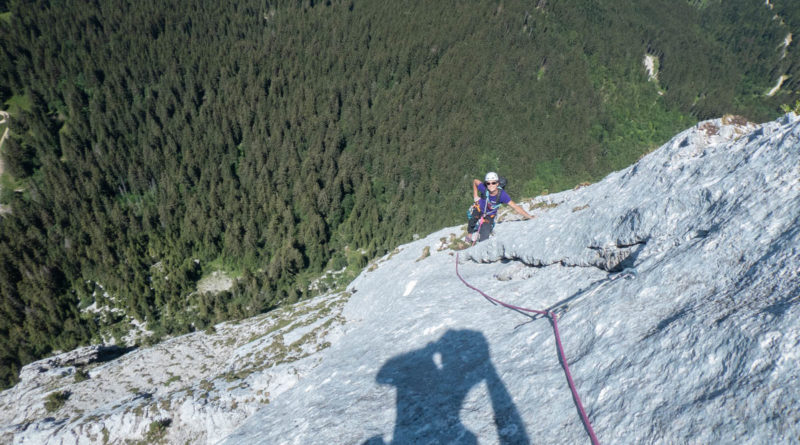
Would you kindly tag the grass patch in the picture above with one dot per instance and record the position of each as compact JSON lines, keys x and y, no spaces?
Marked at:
{"x":788,"y":108}
{"x":19,"y":103}
{"x":426,"y":252}
{"x":55,"y":400}
{"x":219,"y":264}
{"x":174,"y":378}
{"x":7,"y":186}
{"x":157,"y":430}
{"x":341,"y":270}
{"x":543,"y":205}
{"x":457,"y":242}
{"x":206,"y":386}
{"x":582,"y":185}
{"x":81,"y":375}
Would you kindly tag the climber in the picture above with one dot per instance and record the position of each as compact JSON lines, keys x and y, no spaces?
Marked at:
{"x":488,"y":196}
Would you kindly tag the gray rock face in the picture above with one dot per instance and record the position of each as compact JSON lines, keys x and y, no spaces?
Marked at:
{"x":195,"y":388}
{"x":676,"y":281}
{"x":676,"y":286}
{"x":66,"y":362}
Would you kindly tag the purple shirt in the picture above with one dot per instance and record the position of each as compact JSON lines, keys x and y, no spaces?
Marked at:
{"x":494,"y":203}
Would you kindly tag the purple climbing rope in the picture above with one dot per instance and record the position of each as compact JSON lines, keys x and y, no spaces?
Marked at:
{"x":553,"y":317}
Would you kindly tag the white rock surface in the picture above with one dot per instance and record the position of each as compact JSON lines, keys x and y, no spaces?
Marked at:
{"x":677,"y":284}
{"x":203,"y":385}
{"x":675,"y":281}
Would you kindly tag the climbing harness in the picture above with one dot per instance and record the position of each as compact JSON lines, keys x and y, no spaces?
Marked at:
{"x":553,"y":317}
{"x":483,"y":217}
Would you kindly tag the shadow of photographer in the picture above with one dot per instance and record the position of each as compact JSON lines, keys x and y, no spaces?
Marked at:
{"x":432,"y":384}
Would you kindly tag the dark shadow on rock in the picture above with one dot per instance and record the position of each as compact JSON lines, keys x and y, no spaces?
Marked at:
{"x":782,"y":305}
{"x":113,"y":352}
{"x":432,"y":384}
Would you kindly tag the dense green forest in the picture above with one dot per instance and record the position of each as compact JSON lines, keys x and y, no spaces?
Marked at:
{"x":152,"y":143}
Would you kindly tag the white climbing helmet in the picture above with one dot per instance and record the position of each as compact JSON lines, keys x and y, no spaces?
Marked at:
{"x":491,"y":176}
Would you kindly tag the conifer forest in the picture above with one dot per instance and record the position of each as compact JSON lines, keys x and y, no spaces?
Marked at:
{"x":151,"y":143}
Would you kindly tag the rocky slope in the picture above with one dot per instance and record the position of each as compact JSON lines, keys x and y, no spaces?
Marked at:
{"x":675,"y":281}
{"x":191,"y":389}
